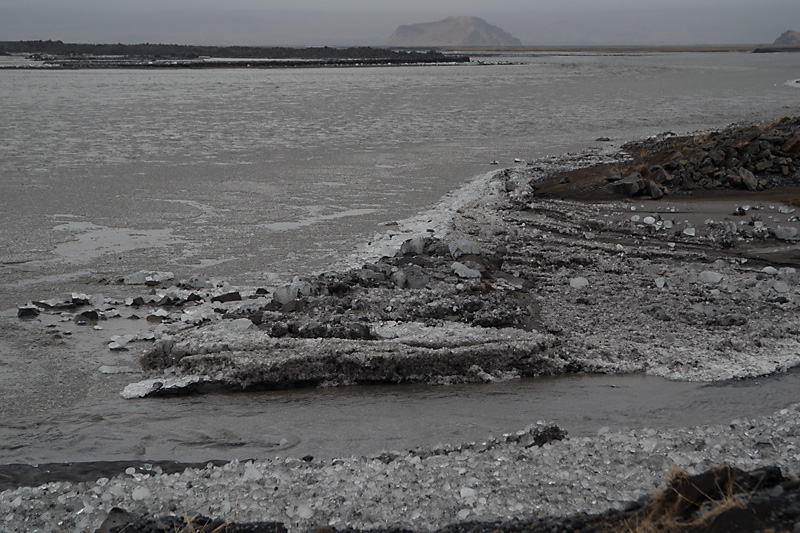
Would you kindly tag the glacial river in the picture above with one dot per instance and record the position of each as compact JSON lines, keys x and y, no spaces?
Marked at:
{"x":256,"y":176}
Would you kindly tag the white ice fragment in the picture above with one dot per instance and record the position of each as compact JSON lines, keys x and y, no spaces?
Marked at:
{"x":143,"y":388}
{"x":690,"y":232}
{"x":660,"y":282}
{"x":463,"y":271}
{"x":635,"y":218}
{"x":707,"y":276}
{"x":463,"y":514}
{"x":781,"y":287}
{"x":237,"y":326}
{"x":786,"y":210}
{"x":785,"y":233}
{"x":463,"y":247}
{"x":147,"y":277}
{"x":579,"y":283}
{"x":140,"y":493}
{"x":769,"y":270}
{"x":304,"y":512}
{"x":119,"y":342}
{"x":649,"y":220}
{"x":251,"y":473}
{"x":467,"y":492}
{"x":292,"y":291}
{"x":158,"y":315}
{"x":106,"y":369}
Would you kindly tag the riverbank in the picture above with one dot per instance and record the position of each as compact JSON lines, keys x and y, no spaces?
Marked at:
{"x":679,"y":275}
{"x":685,"y":287}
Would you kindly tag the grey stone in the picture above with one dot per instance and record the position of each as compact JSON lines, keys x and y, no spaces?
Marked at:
{"x":227,"y":297}
{"x":630,"y":185}
{"x":28,"y":311}
{"x":613,"y":174}
{"x":748,"y":179}
{"x":654,"y":190}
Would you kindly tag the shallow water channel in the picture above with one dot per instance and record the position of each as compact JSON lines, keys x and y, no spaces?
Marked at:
{"x":360,"y":420}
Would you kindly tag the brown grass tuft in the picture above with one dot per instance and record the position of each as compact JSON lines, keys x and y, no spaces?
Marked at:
{"x":671,"y":509}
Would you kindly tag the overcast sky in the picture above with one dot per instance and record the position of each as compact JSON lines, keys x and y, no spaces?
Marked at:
{"x":365,"y":22}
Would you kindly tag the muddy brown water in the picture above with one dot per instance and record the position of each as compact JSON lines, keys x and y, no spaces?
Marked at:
{"x":106,"y":438}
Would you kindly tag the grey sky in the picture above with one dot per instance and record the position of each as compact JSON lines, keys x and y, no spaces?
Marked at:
{"x":364,"y":22}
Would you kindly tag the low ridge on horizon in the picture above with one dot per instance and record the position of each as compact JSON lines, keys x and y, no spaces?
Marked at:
{"x":451,"y":32}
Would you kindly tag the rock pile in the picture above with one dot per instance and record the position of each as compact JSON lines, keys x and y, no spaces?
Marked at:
{"x":750,"y":158}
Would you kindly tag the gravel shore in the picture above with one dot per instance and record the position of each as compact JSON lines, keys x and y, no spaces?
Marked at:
{"x":528,"y":280}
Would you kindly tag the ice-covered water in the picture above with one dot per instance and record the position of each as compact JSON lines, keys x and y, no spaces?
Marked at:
{"x":254,"y":176}
{"x":280,"y":171}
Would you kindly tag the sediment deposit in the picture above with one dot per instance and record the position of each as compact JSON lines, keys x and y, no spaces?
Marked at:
{"x":686,"y":282}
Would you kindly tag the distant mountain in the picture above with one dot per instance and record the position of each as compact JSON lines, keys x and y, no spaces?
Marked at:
{"x":791,"y":38}
{"x":451,"y":32}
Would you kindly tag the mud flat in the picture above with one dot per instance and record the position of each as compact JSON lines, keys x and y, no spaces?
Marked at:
{"x":688,"y":274}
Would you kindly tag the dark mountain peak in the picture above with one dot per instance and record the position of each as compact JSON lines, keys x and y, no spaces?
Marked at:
{"x":451,"y":32}
{"x":790,"y":37}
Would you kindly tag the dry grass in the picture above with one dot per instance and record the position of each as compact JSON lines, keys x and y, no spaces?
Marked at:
{"x":671,"y":510}
{"x":192,"y":525}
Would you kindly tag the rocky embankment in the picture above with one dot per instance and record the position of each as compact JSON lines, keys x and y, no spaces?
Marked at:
{"x":700,"y":284}
{"x":752,"y":158}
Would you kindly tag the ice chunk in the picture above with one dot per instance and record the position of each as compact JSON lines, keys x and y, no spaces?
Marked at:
{"x":140,"y":493}
{"x":147,"y":278}
{"x":463,"y":271}
{"x":251,"y":473}
{"x":119,"y":342}
{"x":707,"y":276}
{"x":785,"y":233}
{"x":237,"y":326}
{"x":579,"y":283}
{"x":463,"y":247}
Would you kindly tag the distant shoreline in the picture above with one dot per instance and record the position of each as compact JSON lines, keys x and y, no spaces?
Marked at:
{"x":71,"y":63}
{"x":60,"y":55}
{"x":623,"y":49}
